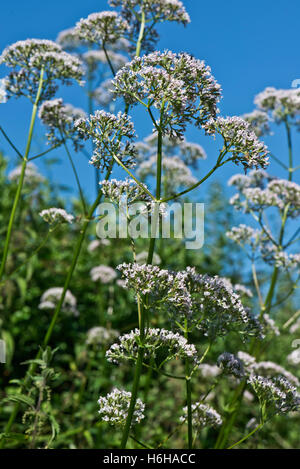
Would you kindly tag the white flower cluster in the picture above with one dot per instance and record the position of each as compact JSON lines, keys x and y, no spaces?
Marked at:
{"x":60,"y":119}
{"x":55,"y":215}
{"x":155,"y":12}
{"x":51,"y":297}
{"x":142,"y":257}
{"x":294,"y":358}
{"x":255,"y":178}
{"x":145,"y":279}
{"x":104,"y":27}
{"x":190,"y":153}
{"x":266,"y":369}
{"x":101,"y":336}
{"x":179,"y":86}
{"x":287,"y":261}
{"x":115,"y":405}
{"x":244,"y":235}
{"x":128,"y":191}
{"x":240,"y":141}
{"x":69,"y":40}
{"x":277,"y":394}
{"x":211,"y":305}
{"x":103,"y":273}
{"x":3,"y":93}
{"x":171,"y":345}
{"x":175,"y":172}
{"x":259,"y":121}
{"x":107,"y":131}
{"x":32,"y":177}
{"x":231,"y":365}
{"x":97,"y":243}
{"x":281,"y":103}
{"x":209,"y":371}
{"x":27,"y":59}
{"x":203,"y":416}
{"x":92,"y":58}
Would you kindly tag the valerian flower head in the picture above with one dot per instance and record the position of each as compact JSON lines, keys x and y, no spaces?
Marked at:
{"x":98,"y":243}
{"x":28,"y":58}
{"x":69,"y":40}
{"x":108,"y":132}
{"x":180,"y":87}
{"x":103,"y":273}
{"x":60,"y":119}
{"x":32,"y":176}
{"x":105,"y":27}
{"x":231,"y":365}
{"x":51,"y":297}
{"x":127,"y":191}
{"x":94,"y":57}
{"x":259,"y":122}
{"x":146,"y":279}
{"x":3,"y":92}
{"x":190,"y":153}
{"x":283,"y":104}
{"x":176,"y":173}
{"x":202,"y":416}
{"x":142,"y":257}
{"x":56,"y":216}
{"x":211,"y":305}
{"x":294,"y":358}
{"x":103,"y":94}
{"x":209,"y":371}
{"x":157,"y":343}
{"x":278,"y":395}
{"x":289,"y":193}
{"x":114,"y":408}
{"x":240,"y":141}
{"x":245,"y":235}
{"x":155,"y":11}
{"x":101,"y":336}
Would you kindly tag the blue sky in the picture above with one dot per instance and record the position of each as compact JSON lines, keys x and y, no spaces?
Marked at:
{"x":249,"y":45}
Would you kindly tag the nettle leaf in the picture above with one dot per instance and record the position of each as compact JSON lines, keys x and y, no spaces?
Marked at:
{"x":21,"y":399}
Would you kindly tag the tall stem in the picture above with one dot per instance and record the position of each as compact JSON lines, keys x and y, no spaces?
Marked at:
{"x":290,"y":147}
{"x":77,"y":180}
{"x":141,"y":312}
{"x":141,"y":35}
{"x":22,"y":175}
{"x":188,"y":395}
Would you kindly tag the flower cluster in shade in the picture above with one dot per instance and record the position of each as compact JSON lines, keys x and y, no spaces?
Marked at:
{"x":51,"y":297}
{"x":100,"y":335}
{"x":115,"y":405}
{"x":111,"y":135}
{"x":59,"y":118}
{"x":157,"y":343}
{"x":208,"y":303}
{"x":178,"y":87}
{"x":239,"y":140}
{"x":28,"y":58}
{"x":103,"y":274}
{"x":278,"y":395}
{"x":55,"y":216}
{"x":203,"y":416}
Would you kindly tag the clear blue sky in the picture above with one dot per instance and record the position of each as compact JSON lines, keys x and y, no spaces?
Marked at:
{"x":249,"y":45}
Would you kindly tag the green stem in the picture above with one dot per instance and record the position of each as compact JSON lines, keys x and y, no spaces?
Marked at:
{"x":77,"y":180}
{"x":290,"y":147}
{"x":11,"y":143}
{"x":141,"y":313}
{"x":22,"y":175}
{"x":247,"y":436}
{"x":188,"y":397}
{"x":59,"y":305}
{"x":141,"y":35}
